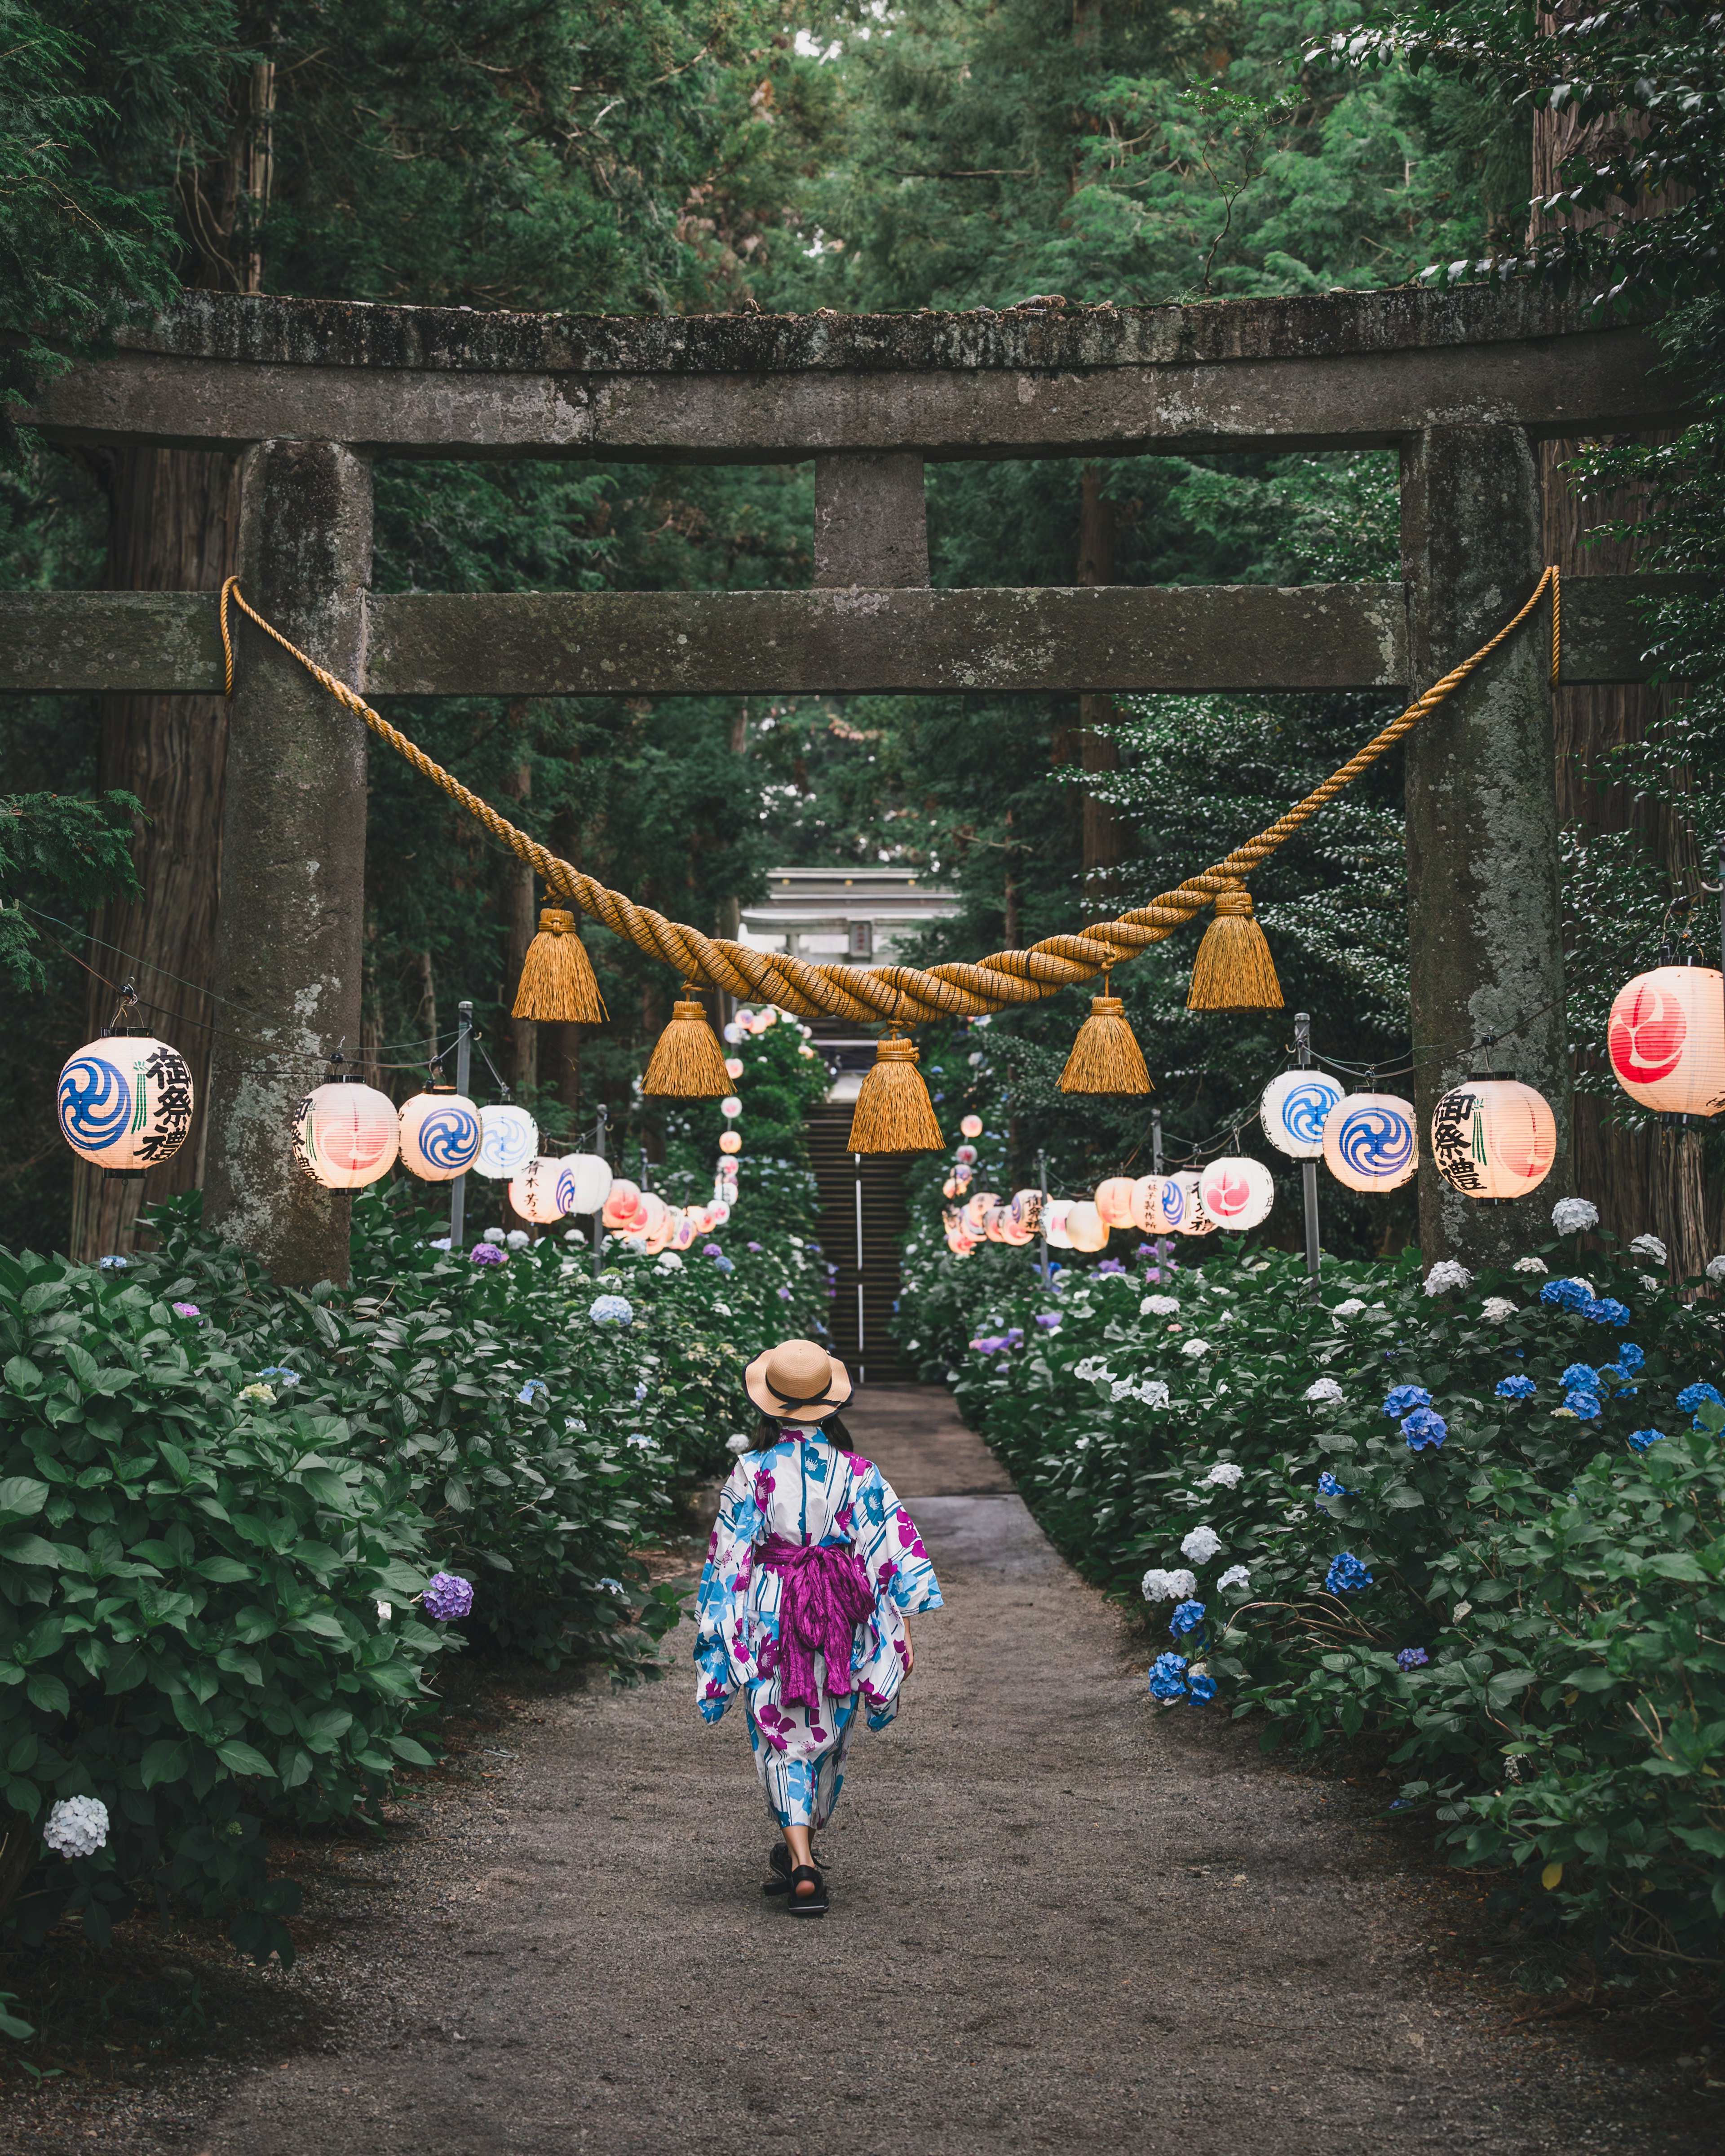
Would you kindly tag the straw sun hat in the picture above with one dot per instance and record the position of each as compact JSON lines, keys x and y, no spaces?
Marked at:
{"x":797,"y":1381}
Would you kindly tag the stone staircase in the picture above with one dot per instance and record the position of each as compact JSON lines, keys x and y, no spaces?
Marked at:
{"x":877,"y":1358}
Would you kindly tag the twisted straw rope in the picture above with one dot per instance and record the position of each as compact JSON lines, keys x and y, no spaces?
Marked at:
{"x":904,"y":995}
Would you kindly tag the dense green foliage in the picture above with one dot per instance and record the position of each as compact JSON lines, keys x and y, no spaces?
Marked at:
{"x":1562,"y":1719}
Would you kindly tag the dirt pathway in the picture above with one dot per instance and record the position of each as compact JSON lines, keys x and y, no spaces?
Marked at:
{"x":1061,"y":1921}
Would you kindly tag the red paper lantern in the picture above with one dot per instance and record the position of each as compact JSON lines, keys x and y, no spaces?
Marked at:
{"x":1666,"y":1040}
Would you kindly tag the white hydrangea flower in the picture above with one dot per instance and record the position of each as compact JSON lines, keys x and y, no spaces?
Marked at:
{"x":1715,"y":1269}
{"x":667,"y":1262}
{"x":1159,"y":1305}
{"x":1226,"y":1474}
{"x":1236,"y":1576}
{"x":1650,"y":1282}
{"x":1177,"y":1586}
{"x":1343,"y":1311}
{"x":385,"y":1610}
{"x":1531,"y":1265}
{"x":1323,"y":1390}
{"x":1201,"y":1545}
{"x":1446,"y":1277}
{"x":1574,"y":1216}
{"x":1093,"y":1370}
{"x":1192,"y":1348}
{"x":1150,"y":1392}
{"x":518,"y":1239}
{"x":1650,"y":1248}
{"x":723,"y":1310}
{"x":736,"y":1443}
{"x":1497,"y":1310}
{"x":77,"y":1827}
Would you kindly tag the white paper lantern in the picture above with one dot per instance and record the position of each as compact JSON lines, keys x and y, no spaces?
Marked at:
{"x":1666,"y":1040}
{"x":621,"y":1200}
{"x":583,"y":1183}
{"x":1493,"y":1137}
{"x":509,"y":1138}
{"x":1294,"y":1109}
{"x":126,"y":1102}
{"x":1054,"y":1223}
{"x":345,"y":1135}
{"x":733,"y":1063}
{"x":534,"y":1192}
{"x":1237,"y":1192}
{"x":976,"y":1205}
{"x":731,"y":1105}
{"x":660,"y":1224}
{"x":685,"y":1227}
{"x":1027,"y":1212}
{"x":1085,"y":1228}
{"x":1371,"y":1141}
{"x":729,"y":1141}
{"x":440,"y":1134}
{"x":1114,"y":1201}
{"x":1158,"y":1205}
{"x":1193,"y":1219}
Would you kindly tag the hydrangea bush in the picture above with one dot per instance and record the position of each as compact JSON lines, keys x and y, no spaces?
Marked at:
{"x":1486,"y":1525}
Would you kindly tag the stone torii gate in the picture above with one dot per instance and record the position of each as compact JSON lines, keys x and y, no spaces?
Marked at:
{"x":310,"y":391}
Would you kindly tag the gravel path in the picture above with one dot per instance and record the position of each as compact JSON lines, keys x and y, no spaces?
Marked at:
{"x":1059,"y":1920}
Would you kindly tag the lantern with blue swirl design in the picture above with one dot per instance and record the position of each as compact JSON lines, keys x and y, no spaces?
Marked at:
{"x":346,"y":1134}
{"x":1371,"y":1141}
{"x":509,"y":1138}
{"x":1193,"y":1219}
{"x":1294,"y":1109}
{"x":533,"y":1193}
{"x":583,"y":1182}
{"x":440,"y":1134}
{"x":1493,"y":1137}
{"x":126,"y":1102}
{"x":1158,"y":1204}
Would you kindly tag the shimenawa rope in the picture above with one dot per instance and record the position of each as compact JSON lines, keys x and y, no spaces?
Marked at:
{"x":904,"y":995}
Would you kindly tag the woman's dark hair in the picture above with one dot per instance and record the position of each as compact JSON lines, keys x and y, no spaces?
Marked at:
{"x":832,"y":1429}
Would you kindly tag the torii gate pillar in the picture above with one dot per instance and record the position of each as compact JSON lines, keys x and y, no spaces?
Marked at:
{"x":1485,"y":937}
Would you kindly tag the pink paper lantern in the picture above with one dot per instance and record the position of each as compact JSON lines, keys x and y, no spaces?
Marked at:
{"x":621,"y":1200}
{"x":1493,"y":1137}
{"x":345,"y":1135}
{"x":1665,"y":1037}
{"x":729,"y":1141}
{"x":1114,"y":1201}
{"x":972,"y":1127}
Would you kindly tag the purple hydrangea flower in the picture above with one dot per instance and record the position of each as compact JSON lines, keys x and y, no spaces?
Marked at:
{"x":1048,"y":1320}
{"x":185,"y":1310}
{"x":710,"y":1250}
{"x":784,"y":1294}
{"x":448,"y":1597}
{"x":1110,"y":1266}
{"x":756,"y":1246}
{"x":1412,"y":1658}
{"x":487,"y":1254}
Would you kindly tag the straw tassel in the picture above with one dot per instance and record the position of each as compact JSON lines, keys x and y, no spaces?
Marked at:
{"x":894,"y":1113}
{"x":1235,"y":970}
{"x":687,"y":1061}
{"x":557,"y":986}
{"x":1106,"y":1057}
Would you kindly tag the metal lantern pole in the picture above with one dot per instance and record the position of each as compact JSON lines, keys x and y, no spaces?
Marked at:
{"x":861,"y":1370}
{"x":464,"y":1075}
{"x":598,"y":1218}
{"x":1042,"y":1212}
{"x":1160,"y":1245}
{"x":1308,"y":1169}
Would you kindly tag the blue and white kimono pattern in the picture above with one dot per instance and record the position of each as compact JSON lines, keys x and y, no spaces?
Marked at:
{"x":807,"y":1490}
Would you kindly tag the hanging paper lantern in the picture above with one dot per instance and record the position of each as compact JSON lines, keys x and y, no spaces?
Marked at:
{"x":994,"y":1224}
{"x":440,"y":1134}
{"x":977,"y":1206}
{"x":584,"y":1183}
{"x":1293,"y":1110}
{"x":126,"y":1102}
{"x":345,"y":1135}
{"x":1158,"y":1205}
{"x":1027,"y":1211}
{"x":1666,"y":1040}
{"x":660,"y":1223}
{"x":731,"y":1105}
{"x":1114,"y":1201}
{"x":1086,"y":1228}
{"x":972,"y":1127}
{"x":718,"y":1213}
{"x":729,"y":1141}
{"x":1193,"y":1219}
{"x":685,"y":1227}
{"x":733,"y":1063}
{"x":534,"y":1192}
{"x":965,"y":1155}
{"x":1371,"y":1141}
{"x":1054,"y":1223}
{"x":621,"y":1200}
{"x":509,"y":1138}
{"x":1493,"y":1137}
{"x":1237,"y":1192}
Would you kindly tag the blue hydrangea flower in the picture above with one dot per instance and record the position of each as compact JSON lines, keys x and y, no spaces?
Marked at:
{"x":724,"y":1265}
{"x":1584,"y":1406}
{"x":1607,"y":1311}
{"x":1692,"y":1396}
{"x":1402,"y":1398}
{"x":1188,"y":1617}
{"x":612,"y":1310}
{"x":1167,"y":1677}
{"x":1412,"y":1658}
{"x":1515,"y":1388}
{"x":1422,"y":1428}
{"x":448,"y":1597}
{"x":1640,"y":1440}
{"x":1346,"y":1575}
{"x":1203,"y":1689}
{"x":281,"y":1376}
{"x":531,"y":1391}
{"x":114,"y":1264}
{"x":1630,"y":1357}
{"x":1328,"y":1486}
{"x":1565,"y":1294}
{"x":1581,"y":1377}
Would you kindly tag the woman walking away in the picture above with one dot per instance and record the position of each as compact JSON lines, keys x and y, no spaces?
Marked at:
{"x":809,"y":1574}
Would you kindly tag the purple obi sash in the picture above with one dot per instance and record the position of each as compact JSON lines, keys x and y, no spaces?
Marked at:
{"x":823,"y":1595}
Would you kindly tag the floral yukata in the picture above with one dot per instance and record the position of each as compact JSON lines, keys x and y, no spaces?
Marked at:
{"x":805,"y":1491}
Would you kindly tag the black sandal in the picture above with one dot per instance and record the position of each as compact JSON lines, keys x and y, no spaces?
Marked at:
{"x":778,"y":1863}
{"x":807,"y":1904}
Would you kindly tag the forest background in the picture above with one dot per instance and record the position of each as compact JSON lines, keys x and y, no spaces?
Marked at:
{"x":686,"y":156}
